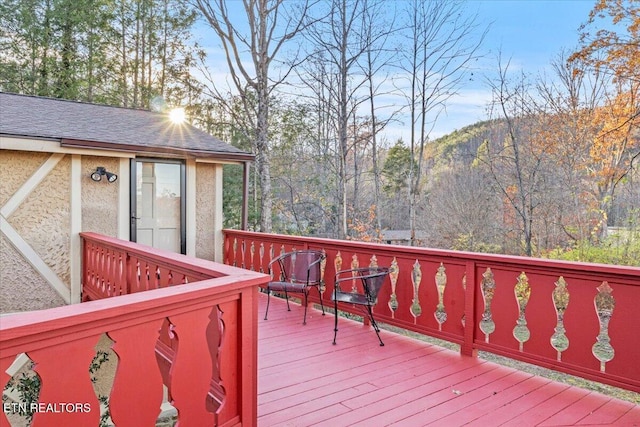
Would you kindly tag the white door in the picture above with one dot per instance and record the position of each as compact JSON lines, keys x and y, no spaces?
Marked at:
{"x":158,"y":205}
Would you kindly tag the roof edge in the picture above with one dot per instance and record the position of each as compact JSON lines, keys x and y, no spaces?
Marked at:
{"x":185,"y":152}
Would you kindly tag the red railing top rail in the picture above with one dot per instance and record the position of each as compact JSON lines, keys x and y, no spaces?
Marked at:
{"x":68,"y":321}
{"x":196,"y":265}
{"x":460,"y":256}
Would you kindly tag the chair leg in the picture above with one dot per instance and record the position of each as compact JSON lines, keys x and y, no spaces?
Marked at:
{"x":268,"y":299}
{"x":375,"y":325}
{"x":335,"y":327}
{"x":304,"y":320}
{"x":286,"y":296}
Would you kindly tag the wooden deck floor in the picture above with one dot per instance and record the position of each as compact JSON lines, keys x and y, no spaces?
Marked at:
{"x":304,"y":380}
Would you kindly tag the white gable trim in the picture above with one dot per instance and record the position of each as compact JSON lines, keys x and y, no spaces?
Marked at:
{"x":53,"y":146}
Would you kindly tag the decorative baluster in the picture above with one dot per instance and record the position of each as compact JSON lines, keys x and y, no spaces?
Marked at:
{"x":66,"y":380}
{"x":441,"y":282}
{"x":113,"y":275}
{"x":522,"y":291}
{"x":293,"y":266}
{"x":101,"y":269}
{"x":354,"y":264}
{"x":559,"y":340}
{"x":137,"y":377}
{"x":271,"y":257}
{"x":157,"y":282}
{"x":261,"y":254}
{"x":337,"y":262}
{"x":147,"y":277}
{"x":373,"y":262}
{"x":117,"y":280}
{"x":235,"y":251}
{"x":243,"y":245}
{"x":605,"y":303}
{"x":416,"y":278}
{"x":5,"y":363}
{"x":488,"y":288}
{"x":323,"y":266}
{"x":394,"y":270}
{"x":192,"y":368}
{"x":108,"y":264}
{"x":252,"y":252}
{"x":135,"y":274}
{"x":464,"y":288}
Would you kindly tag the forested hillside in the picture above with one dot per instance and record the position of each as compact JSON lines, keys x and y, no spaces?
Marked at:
{"x":312,"y":87}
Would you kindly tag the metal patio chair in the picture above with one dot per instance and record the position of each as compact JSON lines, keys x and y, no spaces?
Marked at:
{"x":299,"y":272}
{"x":372,"y":279}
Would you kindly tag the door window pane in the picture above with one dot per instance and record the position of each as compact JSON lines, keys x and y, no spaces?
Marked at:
{"x":158,"y":205}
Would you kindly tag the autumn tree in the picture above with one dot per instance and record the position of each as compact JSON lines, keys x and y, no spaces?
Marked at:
{"x":614,"y":50}
{"x":567,"y":105}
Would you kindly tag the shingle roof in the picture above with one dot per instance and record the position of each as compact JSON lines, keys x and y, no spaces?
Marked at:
{"x":105,"y":127}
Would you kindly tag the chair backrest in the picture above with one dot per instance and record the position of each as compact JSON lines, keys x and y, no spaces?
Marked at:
{"x":372,"y":279}
{"x":302,"y":266}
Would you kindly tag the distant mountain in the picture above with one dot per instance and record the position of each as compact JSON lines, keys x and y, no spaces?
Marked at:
{"x":461,"y":146}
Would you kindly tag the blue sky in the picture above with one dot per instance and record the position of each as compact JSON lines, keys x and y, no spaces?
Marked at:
{"x":532,"y":31}
{"x":529,"y":32}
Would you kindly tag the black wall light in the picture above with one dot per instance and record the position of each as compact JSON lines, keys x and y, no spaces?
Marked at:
{"x":97,"y":175}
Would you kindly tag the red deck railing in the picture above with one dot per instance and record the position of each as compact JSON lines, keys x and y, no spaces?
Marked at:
{"x":208,"y":359}
{"x":577,"y":318}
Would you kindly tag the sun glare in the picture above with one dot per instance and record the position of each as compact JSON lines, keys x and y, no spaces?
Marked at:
{"x":177,"y":115}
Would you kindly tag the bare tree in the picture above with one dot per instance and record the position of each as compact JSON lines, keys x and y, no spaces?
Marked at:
{"x":442,"y":43}
{"x":347,"y":50}
{"x":269,"y":28}
{"x":377,"y":59}
{"x":517,"y":158}
{"x":464,"y":211}
{"x":337,"y":39}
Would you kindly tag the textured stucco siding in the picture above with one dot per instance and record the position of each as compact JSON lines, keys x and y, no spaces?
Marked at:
{"x":21,"y":287}
{"x":205,"y":210}
{"x":42,"y":220}
{"x":99,"y":199}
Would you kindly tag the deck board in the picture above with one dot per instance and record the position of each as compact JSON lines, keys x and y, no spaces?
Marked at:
{"x":304,"y":380}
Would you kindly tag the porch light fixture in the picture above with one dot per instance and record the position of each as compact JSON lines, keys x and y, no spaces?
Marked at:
{"x":100,"y":171}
